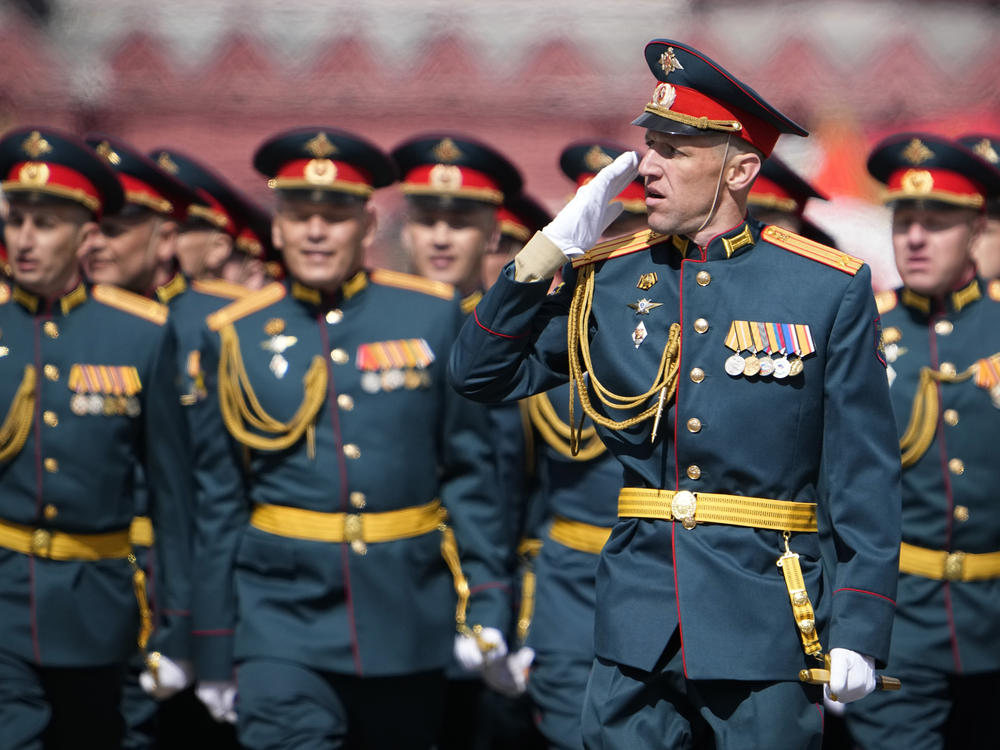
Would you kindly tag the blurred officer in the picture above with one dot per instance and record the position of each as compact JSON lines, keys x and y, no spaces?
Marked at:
{"x":779,"y":196}
{"x":582,"y":160}
{"x":454,"y":187}
{"x":90,"y":391}
{"x":722,"y":361}
{"x":327,"y":576}
{"x":986,"y":246}
{"x":519,"y":217}
{"x":941,"y":331}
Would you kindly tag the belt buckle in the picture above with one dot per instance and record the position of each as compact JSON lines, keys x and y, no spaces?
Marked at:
{"x":683,"y":506}
{"x":41,"y":542}
{"x":954,"y":565}
{"x":354,"y":533}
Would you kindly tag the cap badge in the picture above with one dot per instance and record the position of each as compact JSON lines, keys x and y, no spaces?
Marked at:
{"x":34,"y":174}
{"x":445,"y":177}
{"x":664,"y":95}
{"x":596,"y":159}
{"x":917,"y":181}
{"x":34,"y":145}
{"x":985,"y":149}
{"x":446,"y":151}
{"x":104,"y":149}
{"x":320,"y":146}
{"x":669,"y":62}
{"x":166,"y":163}
{"x":916,"y":152}
{"x":320,"y":172}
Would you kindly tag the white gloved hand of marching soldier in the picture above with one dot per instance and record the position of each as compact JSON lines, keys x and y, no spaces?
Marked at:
{"x":852,"y":675}
{"x":163,"y":677}
{"x":580,"y":223}
{"x":219,"y":697}
{"x":478,"y":647}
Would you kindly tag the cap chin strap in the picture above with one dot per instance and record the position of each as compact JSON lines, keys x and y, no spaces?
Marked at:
{"x":718,"y":187}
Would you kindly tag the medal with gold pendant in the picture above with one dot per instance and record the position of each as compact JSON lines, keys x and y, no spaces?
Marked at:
{"x":735,"y":363}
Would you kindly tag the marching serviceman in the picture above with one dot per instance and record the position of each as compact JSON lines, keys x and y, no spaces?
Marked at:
{"x":941,"y":332}
{"x":328,"y":566}
{"x":734,"y":371}
{"x":986,"y":247}
{"x":88,"y":387}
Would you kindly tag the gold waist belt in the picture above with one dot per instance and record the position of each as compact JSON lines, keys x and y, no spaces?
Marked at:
{"x":57,"y":545}
{"x":580,"y":536}
{"x":354,"y":528}
{"x":691,"y":508}
{"x":948,"y":566}
{"x":140,"y":533}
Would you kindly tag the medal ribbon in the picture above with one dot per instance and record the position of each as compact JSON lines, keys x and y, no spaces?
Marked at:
{"x":988,"y":372}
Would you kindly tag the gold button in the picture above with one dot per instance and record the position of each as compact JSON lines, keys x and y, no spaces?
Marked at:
{"x":703,"y":278}
{"x":358,"y":499}
{"x":334,"y":316}
{"x":947,"y":368}
{"x":352,"y":451}
{"x":961,"y":513}
{"x":694,"y":424}
{"x":51,"y":372}
{"x":694,"y":471}
{"x":339,"y":357}
{"x":51,"y":465}
{"x":956,"y":466}
{"x":50,"y":511}
{"x":697,"y":375}
{"x":50,"y":418}
{"x":701,"y":325}
{"x":345,"y":402}
{"x":950,"y":417}
{"x":51,"y":329}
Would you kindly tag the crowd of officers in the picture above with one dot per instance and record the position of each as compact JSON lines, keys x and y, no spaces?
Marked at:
{"x":241,"y":501}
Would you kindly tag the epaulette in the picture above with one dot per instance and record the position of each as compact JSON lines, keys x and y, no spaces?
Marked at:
{"x":630,"y":243}
{"x":469,"y":303}
{"x":221,"y":288}
{"x":413,"y":283}
{"x":885,"y":301}
{"x":247,"y":305}
{"x":813,"y":250}
{"x":994,"y":290}
{"x":134,"y":304}
{"x":4,"y":293}
{"x":177,"y":285}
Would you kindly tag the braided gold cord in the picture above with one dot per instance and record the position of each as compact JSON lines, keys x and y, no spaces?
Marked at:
{"x":15,"y":428}
{"x":920,"y":430}
{"x":558,"y":434}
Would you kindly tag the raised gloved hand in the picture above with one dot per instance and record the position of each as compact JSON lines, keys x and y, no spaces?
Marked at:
{"x":475,"y":650}
{"x":509,"y":676}
{"x":219,"y":697}
{"x":581,"y":222}
{"x":163,"y":676}
{"x":852,"y":675}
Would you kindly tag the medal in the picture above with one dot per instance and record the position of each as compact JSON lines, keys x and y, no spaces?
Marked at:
{"x":78,"y":404}
{"x":995,"y":395}
{"x":735,"y":365}
{"x":751,"y":366}
{"x":371,"y":382}
{"x":393,"y":379}
{"x":766,"y":366}
{"x":781,"y":367}
{"x":794,"y":367}
{"x":639,"y":334}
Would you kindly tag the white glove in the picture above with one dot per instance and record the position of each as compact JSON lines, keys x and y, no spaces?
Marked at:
{"x":852,"y":675}
{"x":509,"y":676}
{"x":219,"y":697}
{"x":473,"y":652}
{"x":164,"y":677}
{"x":583,"y":220}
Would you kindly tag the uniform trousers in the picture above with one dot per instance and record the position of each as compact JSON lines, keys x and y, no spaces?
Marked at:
{"x":283,"y":705}
{"x":557,"y":687}
{"x":627,"y":707}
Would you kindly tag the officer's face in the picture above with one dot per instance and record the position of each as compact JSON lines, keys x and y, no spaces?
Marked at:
{"x":986,"y":249}
{"x":201,"y":249}
{"x":494,"y":260}
{"x":43,"y":241}
{"x":127,"y":250}
{"x":447,"y":244}
{"x":323,"y":242}
{"x":932,"y":246}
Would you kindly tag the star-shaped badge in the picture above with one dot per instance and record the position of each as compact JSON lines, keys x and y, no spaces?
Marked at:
{"x":643,"y":306}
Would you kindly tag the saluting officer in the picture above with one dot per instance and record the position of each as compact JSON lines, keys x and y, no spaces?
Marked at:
{"x":733,"y":370}
{"x":941,"y":332}
{"x":986,"y":246}
{"x":326,"y":571}
{"x":88,"y":388}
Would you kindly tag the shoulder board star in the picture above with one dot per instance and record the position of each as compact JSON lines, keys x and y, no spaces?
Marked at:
{"x":812,"y":250}
{"x":413,"y":283}
{"x":246,"y":306}
{"x":134,"y":304}
{"x":620,"y":246}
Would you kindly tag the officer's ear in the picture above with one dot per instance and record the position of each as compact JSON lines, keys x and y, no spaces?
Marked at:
{"x":220,"y":247}
{"x":493,"y":241}
{"x":86,"y":235}
{"x":166,"y":241}
{"x":370,"y":223}
{"x":743,"y":168}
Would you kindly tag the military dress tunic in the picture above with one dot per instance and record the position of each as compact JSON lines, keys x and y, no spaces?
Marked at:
{"x":390,"y":434}
{"x":106,"y":401}
{"x":821,"y":436}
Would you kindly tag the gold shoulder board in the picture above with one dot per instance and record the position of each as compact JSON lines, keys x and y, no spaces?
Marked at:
{"x":413,"y":283}
{"x":630,"y":243}
{"x":134,"y":304}
{"x":244,"y":306}
{"x":885,"y":301}
{"x":221,"y":288}
{"x":813,"y":250}
{"x":995,"y":290}
{"x":4,"y":294}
